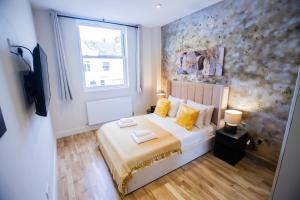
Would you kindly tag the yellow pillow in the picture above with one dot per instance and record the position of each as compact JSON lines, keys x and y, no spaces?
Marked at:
{"x":187,"y":117}
{"x":162,"y":107}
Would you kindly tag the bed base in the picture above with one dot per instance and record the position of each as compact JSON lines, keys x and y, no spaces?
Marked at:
{"x":163,"y":167}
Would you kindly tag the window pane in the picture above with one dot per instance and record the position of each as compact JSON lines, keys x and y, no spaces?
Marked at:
{"x":99,"y":41}
{"x":103,"y":72}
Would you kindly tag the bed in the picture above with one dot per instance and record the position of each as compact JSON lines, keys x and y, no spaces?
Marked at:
{"x":192,"y":143}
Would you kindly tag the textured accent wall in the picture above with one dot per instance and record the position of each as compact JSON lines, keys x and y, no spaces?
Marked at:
{"x":262,"y":56}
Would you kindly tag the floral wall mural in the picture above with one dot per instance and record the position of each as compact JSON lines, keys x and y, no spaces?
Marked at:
{"x":204,"y":62}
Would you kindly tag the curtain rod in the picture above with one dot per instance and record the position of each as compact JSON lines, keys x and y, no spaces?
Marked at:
{"x":96,"y":20}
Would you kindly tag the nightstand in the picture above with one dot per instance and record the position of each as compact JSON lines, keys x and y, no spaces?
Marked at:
{"x":151,"y":109}
{"x":231,"y":147}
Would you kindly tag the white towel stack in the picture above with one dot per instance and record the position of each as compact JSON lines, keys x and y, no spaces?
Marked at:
{"x":126,"y":122}
{"x":140,"y":136}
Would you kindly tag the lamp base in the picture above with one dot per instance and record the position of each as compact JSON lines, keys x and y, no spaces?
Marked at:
{"x":230,"y":129}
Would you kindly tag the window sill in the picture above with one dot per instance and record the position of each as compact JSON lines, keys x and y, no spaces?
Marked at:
{"x":108,"y":88}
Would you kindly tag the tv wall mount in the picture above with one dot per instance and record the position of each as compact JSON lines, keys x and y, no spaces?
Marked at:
{"x":28,"y":75}
{"x":18,"y":51}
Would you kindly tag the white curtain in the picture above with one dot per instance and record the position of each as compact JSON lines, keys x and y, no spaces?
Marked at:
{"x":66,"y":93}
{"x":138,"y":59}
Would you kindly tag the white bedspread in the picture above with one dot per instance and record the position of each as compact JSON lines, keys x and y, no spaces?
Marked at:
{"x":188,"y":138}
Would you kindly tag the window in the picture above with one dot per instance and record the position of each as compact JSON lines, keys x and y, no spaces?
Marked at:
{"x":105,"y":66}
{"x":102,"y":82}
{"x":93,"y":82}
{"x":103,"y":56}
{"x":87,"y":66}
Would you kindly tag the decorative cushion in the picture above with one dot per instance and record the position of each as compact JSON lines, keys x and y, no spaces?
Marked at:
{"x":209,"y":113}
{"x":209,"y":109}
{"x":187,"y":117}
{"x":162,"y":107}
{"x":201,"y":118}
{"x":175,"y":103}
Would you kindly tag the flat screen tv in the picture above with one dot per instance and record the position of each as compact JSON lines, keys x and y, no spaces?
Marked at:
{"x":40,"y":81}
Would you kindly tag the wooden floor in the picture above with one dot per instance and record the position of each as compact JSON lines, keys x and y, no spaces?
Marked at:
{"x":84,"y":175}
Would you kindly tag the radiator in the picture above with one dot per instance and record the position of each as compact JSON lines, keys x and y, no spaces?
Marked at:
{"x":108,"y":109}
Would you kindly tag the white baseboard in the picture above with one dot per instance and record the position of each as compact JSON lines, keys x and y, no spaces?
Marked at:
{"x":74,"y":131}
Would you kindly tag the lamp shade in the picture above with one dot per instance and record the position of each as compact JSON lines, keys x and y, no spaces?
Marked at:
{"x":160,"y":95}
{"x":233,"y":117}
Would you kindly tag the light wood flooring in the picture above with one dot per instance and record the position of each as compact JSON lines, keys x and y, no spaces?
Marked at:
{"x":83,"y":175}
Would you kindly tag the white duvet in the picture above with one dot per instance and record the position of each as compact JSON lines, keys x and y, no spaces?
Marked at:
{"x":188,"y":139}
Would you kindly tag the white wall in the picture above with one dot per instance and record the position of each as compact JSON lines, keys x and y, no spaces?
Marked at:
{"x":71,"y":117}
{"x":156,"y":57}
{"x":151,"y":68}
{"x":28,"y":148}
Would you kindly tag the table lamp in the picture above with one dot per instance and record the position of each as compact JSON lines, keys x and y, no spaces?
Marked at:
{"x":232,"y":119}
{"x":161,"y":95}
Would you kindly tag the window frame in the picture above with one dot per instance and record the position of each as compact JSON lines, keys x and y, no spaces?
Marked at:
{"x":123,"y":56}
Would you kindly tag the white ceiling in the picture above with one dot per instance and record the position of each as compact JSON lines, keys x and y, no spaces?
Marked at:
{"x":128,"y":11}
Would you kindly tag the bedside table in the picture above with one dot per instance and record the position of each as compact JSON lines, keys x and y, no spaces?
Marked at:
{"x":151,"y":109}
{"x":231,"y":147}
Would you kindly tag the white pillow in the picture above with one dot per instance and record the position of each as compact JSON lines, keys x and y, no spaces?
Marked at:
{"x":179,"y":109}
{"x":209,"y":113}
{"x":209,"y":109}
{"x":201,"y":118}
{"x":175,"y":103}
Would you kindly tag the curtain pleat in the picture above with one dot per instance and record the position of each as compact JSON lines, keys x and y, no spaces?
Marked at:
{"x":138,"y":59}
{"x":64,"y":77}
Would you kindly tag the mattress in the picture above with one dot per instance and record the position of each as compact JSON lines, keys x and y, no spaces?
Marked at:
{"x":188,"y":139}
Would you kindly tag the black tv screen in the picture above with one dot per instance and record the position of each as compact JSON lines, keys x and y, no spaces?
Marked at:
{"x":41,"y":86}
{"x":2,"y":125}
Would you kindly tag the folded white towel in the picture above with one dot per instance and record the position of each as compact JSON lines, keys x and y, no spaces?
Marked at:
{"x":123,"y":125}
{"x":141,"y":133}
{"x":126,"y":120}
{"x":142,"y":139}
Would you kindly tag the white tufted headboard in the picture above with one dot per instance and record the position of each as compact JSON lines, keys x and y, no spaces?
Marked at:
{"x":204,"y":93}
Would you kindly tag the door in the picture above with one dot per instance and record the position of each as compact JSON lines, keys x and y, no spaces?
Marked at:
{"x":287,"y":178}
